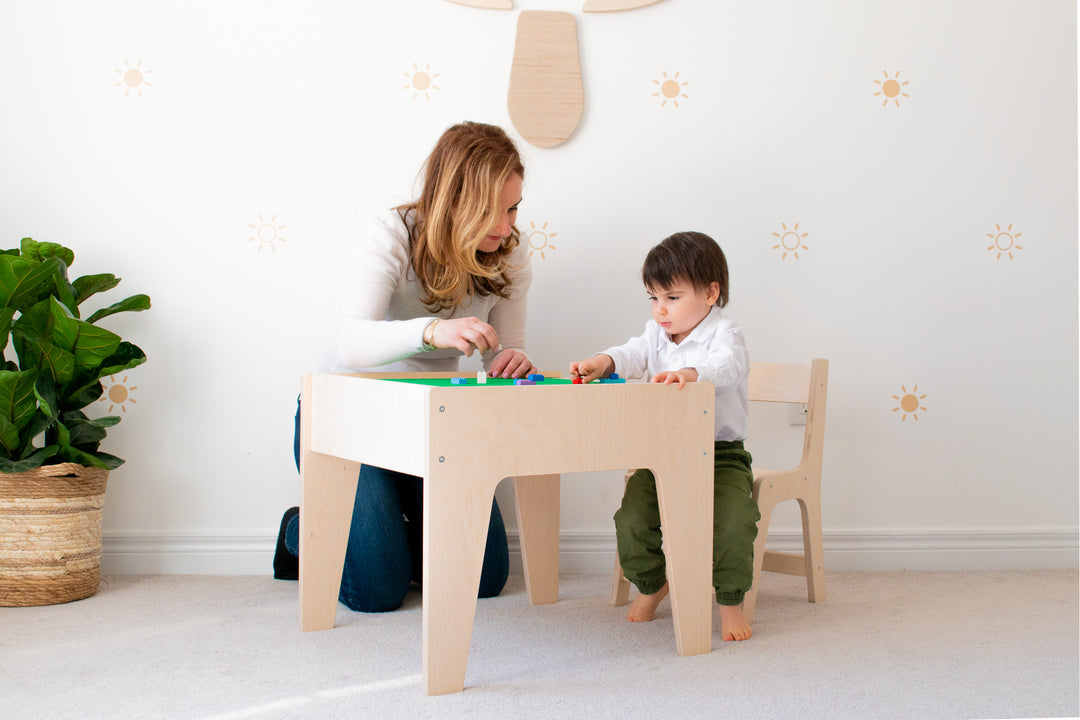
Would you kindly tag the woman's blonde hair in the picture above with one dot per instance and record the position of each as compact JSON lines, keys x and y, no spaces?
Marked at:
{"x":459,"y":204}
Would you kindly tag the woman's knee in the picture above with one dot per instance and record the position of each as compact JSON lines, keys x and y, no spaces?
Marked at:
{"x":382,"y":596}
{"x":496,"y":567}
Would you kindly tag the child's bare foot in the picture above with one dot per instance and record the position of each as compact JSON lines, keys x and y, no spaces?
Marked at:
{"x":733,"y":625}
{"x":643,"y":609}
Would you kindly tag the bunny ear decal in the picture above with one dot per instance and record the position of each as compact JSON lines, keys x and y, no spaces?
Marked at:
{"x":546,"y":97}
{"x":487,"y":4}
{"x":612,"y":5}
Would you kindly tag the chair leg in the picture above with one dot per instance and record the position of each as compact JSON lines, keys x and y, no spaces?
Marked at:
{"x":813,"y":548}
{"x":620,"y":586}
{"x":750,"y":598}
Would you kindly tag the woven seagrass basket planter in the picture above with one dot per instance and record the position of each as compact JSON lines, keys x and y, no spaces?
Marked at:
{"x":50,"y":534}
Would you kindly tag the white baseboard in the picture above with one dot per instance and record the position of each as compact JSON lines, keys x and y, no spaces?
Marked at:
{"x":137,"y":553}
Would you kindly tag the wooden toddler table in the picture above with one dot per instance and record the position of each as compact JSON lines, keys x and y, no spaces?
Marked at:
{"x":463,"y":440}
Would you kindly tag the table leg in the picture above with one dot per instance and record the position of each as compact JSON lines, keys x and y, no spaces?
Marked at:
{"x":685,"y":496}
{"x":537,"y":501}
{"x":456,"y":518}
{"x":328,"y":490}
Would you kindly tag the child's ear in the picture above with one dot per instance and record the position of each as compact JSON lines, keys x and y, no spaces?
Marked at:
{"x":713,"y":293}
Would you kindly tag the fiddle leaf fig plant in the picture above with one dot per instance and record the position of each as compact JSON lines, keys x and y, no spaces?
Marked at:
{"x":60,"y":359}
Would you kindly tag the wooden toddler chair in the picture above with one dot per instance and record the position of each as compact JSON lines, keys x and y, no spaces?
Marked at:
{"x":783,"y":383}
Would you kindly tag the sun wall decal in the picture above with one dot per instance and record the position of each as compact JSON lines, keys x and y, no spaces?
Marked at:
{"x":891,"y":88}
{"x":670,"y":89}
{"x":540,"y":240}
{"x":910,"y":402}
{"x":421,"y":81}
{"x":1004,"y":241}
{"x":133,"y":78}
{"x":267,"y":234}
{"x":790,"y":241}
{"x":118,"y":394}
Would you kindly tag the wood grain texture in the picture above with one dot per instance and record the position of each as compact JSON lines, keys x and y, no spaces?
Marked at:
{"x":546,"y":97}
{"x":463,"y":442}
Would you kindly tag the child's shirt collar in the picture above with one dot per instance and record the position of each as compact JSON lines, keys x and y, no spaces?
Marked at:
{"x":699,"y":334}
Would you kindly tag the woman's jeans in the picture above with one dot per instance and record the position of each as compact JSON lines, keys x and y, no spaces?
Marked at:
{"x":385,"y":551}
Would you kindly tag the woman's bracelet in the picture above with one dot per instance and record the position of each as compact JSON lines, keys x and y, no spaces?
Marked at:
{"x":428,"y":337}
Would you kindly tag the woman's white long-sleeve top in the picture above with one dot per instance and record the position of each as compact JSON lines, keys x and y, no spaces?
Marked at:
{"x":382,"y":319}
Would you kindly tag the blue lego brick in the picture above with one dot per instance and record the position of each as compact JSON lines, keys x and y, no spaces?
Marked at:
{"x":613,"y":376}
{"x":536,"y":377}
{"x":459,"y":381}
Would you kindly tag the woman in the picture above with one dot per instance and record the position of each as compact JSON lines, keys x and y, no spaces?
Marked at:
{"x":435,"y":279}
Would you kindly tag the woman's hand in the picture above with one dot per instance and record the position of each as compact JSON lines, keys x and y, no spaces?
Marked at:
{"x":595,"y":367}
{"x":676,"y":376}
{"x":465,"y":334}
{"x":512,"y":364}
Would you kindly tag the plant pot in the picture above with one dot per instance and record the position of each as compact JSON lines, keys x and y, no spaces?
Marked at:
{"x":50,"y":534}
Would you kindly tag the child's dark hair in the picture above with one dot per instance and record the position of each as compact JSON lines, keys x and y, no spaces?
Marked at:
{"x":689,"y":256}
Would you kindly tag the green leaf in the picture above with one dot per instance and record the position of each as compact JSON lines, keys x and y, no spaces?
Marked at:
{"x":6,"y":315}
{"x":111,"y":461}
{"x":65,"y":294}
{"x":135,"y":303}
{"x":45,"y":392}
{"x":89,"y":285}
{"x":35,"y":322}
{"x":45,"y":250}
{"x":61,"y":435}
{"x":94,"y":345}
{"x":83,"y":389}
{"x":9,"y":437}
{"x":86,"y":434}
{"x":59,"y":362}
{"x":38,"y":424}
{"x":65,"y":328}
{"x":74,"y":455}
{"x":29,"y":462}
{"x":17,"y":399}
{"x":23,"y":283}
{"x":126,"y":356}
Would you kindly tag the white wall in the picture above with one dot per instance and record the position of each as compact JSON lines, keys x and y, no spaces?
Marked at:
{"x":290,"y":122}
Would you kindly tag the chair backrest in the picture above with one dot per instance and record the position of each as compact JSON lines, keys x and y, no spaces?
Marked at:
{"x":794,"y":383}
{"x":775,"y":382}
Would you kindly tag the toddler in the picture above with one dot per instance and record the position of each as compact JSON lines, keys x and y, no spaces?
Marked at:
{"x":687,"y":340}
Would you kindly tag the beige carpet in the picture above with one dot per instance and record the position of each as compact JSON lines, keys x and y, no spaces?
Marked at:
{"x":912,"y":645}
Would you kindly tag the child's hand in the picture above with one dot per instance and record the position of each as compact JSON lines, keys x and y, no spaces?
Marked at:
{"x":676,"y":376}
{"x":595,"y":367}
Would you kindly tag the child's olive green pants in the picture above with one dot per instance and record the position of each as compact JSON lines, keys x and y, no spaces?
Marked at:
{"x":735,"y":517}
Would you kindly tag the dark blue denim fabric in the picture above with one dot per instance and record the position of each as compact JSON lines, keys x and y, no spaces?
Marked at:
{"x":385,"y":551}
